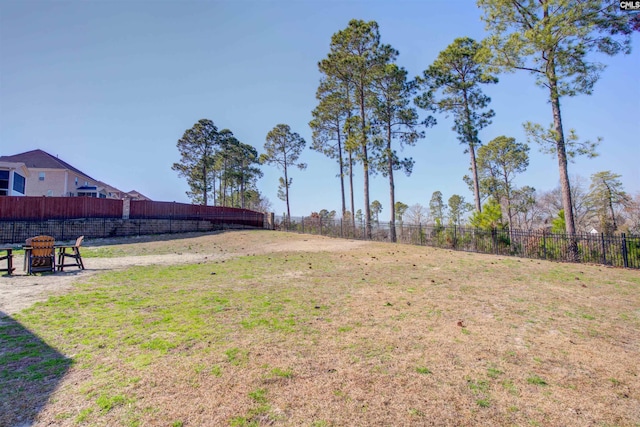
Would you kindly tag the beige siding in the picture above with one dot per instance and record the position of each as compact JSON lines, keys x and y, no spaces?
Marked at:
{"x":58,"y":181}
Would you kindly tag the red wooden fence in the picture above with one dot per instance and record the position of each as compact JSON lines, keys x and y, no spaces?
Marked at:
{"x":43,"y":208}
{"x":142,"y":209}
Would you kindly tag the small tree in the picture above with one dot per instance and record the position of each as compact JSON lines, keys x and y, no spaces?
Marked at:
{"x":437,"y":207}
{"x":527,"y":211}
{"x":457,"y":209}
{"x":400,"y":209}
{"x":558,"y":224}
{"x":498,"y":163}
{"x":605,"y":195}
{"x":283,"y":149}
{"x":327,"y":215}
{"x":417,"y":214}
{"x":490,"y":218}
{"x":551,"y":202}
{"x":376,"y":208}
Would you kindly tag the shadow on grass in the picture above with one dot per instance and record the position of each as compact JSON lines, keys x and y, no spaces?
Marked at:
{"x":30,"y":371}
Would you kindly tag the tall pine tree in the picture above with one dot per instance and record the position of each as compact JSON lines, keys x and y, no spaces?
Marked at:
{"x":452,"y":85}
{"x":356,"y":57}
{"x":552,"y":40}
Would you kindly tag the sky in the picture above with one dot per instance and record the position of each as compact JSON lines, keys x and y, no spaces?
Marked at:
{"x":110,"y":86}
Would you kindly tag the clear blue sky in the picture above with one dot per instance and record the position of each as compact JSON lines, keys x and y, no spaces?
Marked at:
{"x":110,"y":86}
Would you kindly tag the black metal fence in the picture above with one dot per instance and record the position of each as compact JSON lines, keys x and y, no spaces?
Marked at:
{"x":619,"y":250}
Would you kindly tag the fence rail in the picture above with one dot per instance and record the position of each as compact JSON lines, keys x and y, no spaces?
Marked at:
{"x":618,"y":250}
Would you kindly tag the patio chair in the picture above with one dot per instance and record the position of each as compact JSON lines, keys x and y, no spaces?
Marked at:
{"x":40,"y":254}
{"x":9,"y":258}
{"x":74,"y":254}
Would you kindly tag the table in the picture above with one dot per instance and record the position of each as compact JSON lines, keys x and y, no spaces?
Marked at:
{"x":9,"y":258}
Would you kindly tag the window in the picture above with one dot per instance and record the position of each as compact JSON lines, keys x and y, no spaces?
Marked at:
{"x":18,"y":183}
{"x":41,"y":176}
{"x":76,"y":181}
{"x":49,"y":193}
{"x":4,"y":183}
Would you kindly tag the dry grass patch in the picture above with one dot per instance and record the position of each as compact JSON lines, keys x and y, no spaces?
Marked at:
{"x":300,"y":330}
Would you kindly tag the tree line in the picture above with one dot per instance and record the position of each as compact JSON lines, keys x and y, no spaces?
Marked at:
{"x":219,"y":168}
{"x":600,"y":204}
{"x":367,"y":112}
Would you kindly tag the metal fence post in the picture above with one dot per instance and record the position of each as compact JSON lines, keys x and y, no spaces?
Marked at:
{"x":604,"y":251}
{"x":455,"y":237}
{"x":494,"y":239}
{"x":544,"y":243}
{"x":625,"y":255}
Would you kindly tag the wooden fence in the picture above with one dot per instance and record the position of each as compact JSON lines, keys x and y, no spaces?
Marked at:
{"x":171,"y":210}
{"x":44,"y":208}
{"x":13,"y":208}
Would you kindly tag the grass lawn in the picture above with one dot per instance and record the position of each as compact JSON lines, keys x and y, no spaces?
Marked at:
{"x":377,"y":334}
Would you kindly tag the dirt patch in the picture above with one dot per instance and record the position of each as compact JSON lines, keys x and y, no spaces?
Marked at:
{"x":20,"y":291}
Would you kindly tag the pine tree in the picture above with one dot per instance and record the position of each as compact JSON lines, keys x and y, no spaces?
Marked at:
{"x":198,"y":147}
{"x":356,"y":57}
{"x":452,"y":85}
{"x":283,"y":149}
{"x":552,"y":39}
{"x":395,"y":119}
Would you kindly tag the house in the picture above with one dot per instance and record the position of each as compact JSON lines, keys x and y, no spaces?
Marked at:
{"x":47,"y":175}
{"x":136,"y":195}
{"x":13,"y":176}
